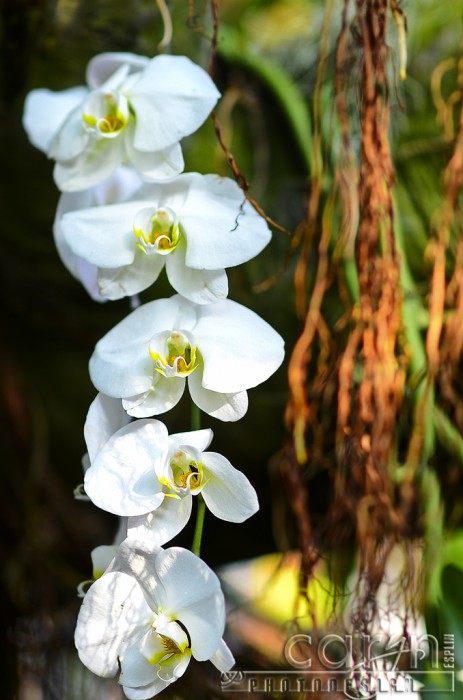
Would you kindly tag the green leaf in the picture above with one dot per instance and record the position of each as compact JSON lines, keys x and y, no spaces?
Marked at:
{"x":440,"y":685}
{"x":234,"y":49}
{"x":434,"y":533}
{"x":452,"y":608}
{"x":449,"y":436}
{"x":413,"y":304}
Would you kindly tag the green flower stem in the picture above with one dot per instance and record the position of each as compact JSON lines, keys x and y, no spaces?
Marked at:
{"x":200,"y":513}
{"x":195,"y":417}
{"x":352,"y":280}
{"x":412,"y":320}
{"x":448,"y":433}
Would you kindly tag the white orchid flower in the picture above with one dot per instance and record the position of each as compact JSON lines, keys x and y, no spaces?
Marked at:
{"x":222,"y":349}
{"x":142,"y":471}
{"x":195,"y":225}
{"x":148,"y":616}
{"x":135,"y":109}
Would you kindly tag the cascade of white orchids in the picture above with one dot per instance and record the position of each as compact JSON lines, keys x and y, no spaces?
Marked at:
{"x":125,"y":213}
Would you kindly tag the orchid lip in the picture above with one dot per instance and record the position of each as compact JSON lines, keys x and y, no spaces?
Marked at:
{"x":105,"y":114}
{"x":173,"y":353}
{"x":187,"y":473}
{"x":171,"y":644}
{"x":157,"y":230}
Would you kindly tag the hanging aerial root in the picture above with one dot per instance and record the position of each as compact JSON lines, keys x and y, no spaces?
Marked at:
{"x":379,"y":395}
{"x":444,"y":342}
{"x":298,"y":497}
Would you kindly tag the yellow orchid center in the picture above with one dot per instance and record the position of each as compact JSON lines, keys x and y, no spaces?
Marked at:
{"x":173,"y":356}
{"x":167,"y":646}
{"x":187,"y":473}
{"x":157,"y":230}
{"x":105,"y":115}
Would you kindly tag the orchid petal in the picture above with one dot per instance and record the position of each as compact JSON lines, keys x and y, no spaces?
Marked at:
{"x":136,"y":670}
{"x":102,"y":557}
{"x":115,"y":81}
{"x":163,"y":524}
{"x":71,"y":138}
{"x":100,"y":68}
{"x":228,"y":492}
{"x":194,"y":598}
{"x":85,"y":461}
{"x":121,"y":479}
{"x":138,"y":558}
{"x":172,"y":194}
{"x":248,"y":347}
{"x":199,"y":286}
{"x":130,"y":279}
{"x":96,"y":163}
{"x":221,"y":226}
{"x":102,"y":235}
{"x":156,"y":165}
{"x":121,"y":533}
{"x":223,"y":659}
{"x":88,"y":275}
{"x":146,"y":691}
{"x":225,"y":407}
{"x":199,"y":439}
{"x":102,"y":636}
{"x":82,"y":270}
{"x":105,"y":416}
{"x":118,"y":188}
{"x":172,"y":674}
{"x":45,"y":111}
{"x":171,"y":99}
{"x":164,"y":394}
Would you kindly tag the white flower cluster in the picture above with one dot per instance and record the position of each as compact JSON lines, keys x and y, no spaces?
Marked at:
{"x":125,"y":213}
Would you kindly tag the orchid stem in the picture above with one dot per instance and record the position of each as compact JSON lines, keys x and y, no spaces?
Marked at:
{"x":195,"y":417}
{"x":200,"y":513}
